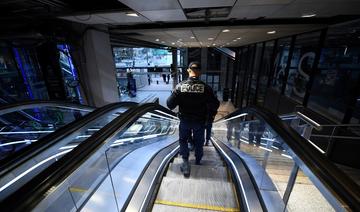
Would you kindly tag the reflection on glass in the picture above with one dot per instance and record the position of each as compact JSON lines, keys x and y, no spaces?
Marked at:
{"x":281,"y":59}
{"x":249,"y":63}
{"x":28,"y":169}
{"x":255,"y":73}
{"x":301,"y":65}
{"x":336,"y":85}
{"x":265,"y":72}
{"x":70,"y":76}
{"x":270,"y":160}
{"x":100,"y":172}
{"x":20,"y":76}
{"x":21,"y":128}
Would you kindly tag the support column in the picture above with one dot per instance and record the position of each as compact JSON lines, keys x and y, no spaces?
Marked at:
{"x":100,"y":75}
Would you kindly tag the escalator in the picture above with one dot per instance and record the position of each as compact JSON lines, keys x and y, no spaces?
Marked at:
{"x":255,"y":163}
{"x":18,"y":168}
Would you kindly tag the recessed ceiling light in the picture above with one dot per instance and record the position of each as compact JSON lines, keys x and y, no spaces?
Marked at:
{"x":162,"y":41}
{"x":308,"y":15}
{"x":192,"y":37}
{"x":226,"y":30}
{"x":239,"y":38}
{"x":210,"y":38}
{"x":157,"y":39}
{"x":132,"y":14}
{"x":234,"y":40}
{"x":214,"y":44}
{"x":173,"y":43}
{"x":271,"y":32}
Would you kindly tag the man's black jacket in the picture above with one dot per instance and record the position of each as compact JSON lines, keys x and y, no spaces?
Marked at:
{"x":196,"y":100}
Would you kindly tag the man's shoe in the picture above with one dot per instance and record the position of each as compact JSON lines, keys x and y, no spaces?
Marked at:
{"x":197,"y":162}
{"x":185,"y":168}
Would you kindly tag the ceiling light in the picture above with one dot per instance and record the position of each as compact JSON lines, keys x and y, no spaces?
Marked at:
{"x":210,"y":38}
{"x":234,"y":40}
{"x":173,"y":43}
{"x":214,"y":44}
{"x":162,"y":41}
{"x":271,"y":32}
{"x":239,"y":38}
{"x":132,"y":14}
{"x":226,"y":30}
{"x":192,"y":37}
{"x":157,"y":39}
{"x":308,"y":15}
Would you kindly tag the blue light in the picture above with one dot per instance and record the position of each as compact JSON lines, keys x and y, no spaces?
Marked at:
{"x":23,"y":72}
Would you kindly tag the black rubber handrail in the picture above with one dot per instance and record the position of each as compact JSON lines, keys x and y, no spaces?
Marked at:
{"x":10,"y":163}
{"x":331,"y":176}
{"x":35,"y":190}
{"x":13,"y":107}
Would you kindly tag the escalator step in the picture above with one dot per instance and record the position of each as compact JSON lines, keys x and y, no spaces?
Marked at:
{"x":196,"y":194}
{"x":199,"y":172}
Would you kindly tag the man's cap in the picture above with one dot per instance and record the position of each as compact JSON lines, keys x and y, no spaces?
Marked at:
{"x":195,"y":66}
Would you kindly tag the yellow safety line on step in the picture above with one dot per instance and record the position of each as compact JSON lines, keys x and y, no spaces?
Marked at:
{"x":74,"y":189}
{"x":196,"y":206}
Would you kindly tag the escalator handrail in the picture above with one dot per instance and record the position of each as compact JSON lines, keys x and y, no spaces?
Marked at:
{"x":34,"y":191}
{"x":330,"y":175}
{"x":13,"y":107}
{"x":10,"y":163}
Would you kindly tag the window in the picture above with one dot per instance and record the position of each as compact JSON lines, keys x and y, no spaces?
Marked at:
{"x":336,"y":86}
{"x":69,"y":73}
{"x":141,"y":57}
{"x":301,"y":65}
{"x":265,"y":71}
{"x":281,"y":59}
{"x":255,"y":73}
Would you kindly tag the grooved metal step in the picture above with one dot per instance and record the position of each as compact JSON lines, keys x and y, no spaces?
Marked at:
{"x":196,"y":194}
{"x":207,"y":189}
{"x":199,"y":172}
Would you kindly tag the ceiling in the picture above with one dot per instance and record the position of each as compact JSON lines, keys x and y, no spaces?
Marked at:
{"x":185,"y":11}
{"x":186,"y":23}
{"x":214,"y":36}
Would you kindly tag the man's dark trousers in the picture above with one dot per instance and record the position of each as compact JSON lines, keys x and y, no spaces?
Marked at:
{"x":198,"y":130}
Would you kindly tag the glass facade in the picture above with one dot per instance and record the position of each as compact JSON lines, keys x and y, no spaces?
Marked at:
{"x":20,"y":76}
{"x":336,"y":84}
{"x":280,"y":64}
{"x":319,"y":70}
{"x":301,"y":65}
{"x":265,"y":71}
{"x":69,"y":73}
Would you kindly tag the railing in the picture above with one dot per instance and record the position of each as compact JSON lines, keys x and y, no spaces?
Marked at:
{"x":92,"y":165}
{"x":328,"y":132}
{"x":285,"y":165}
